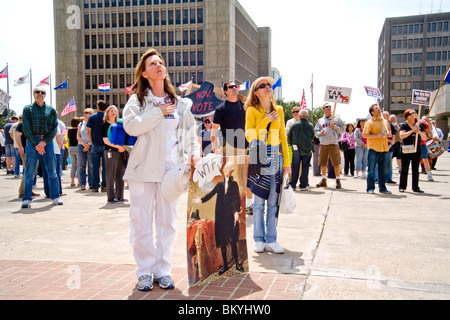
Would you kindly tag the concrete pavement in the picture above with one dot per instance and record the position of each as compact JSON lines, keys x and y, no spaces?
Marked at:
{"x":340,"y":244}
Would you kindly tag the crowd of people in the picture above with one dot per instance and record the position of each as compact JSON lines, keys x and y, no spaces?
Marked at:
{"x":168,"y":134}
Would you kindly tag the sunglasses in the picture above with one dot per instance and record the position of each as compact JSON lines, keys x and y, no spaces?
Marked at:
{"x":295,"y":111}
{"x":40,"y":92}
{"x":327,"y":107}
{"x":263,"y":86}
{"x":232,"y":86}
{"x":207,"y":121}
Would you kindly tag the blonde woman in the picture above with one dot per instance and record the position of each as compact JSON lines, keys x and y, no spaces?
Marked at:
{"x":166,"y":135}
{"x":114,"y":164}
{"x":265,"y":122}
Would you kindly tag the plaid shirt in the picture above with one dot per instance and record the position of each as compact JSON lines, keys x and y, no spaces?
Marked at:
{"x":39,"y":121}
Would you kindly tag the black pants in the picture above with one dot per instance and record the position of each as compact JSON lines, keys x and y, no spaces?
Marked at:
{"x":412,"y":159}
{"x":349,"y":161}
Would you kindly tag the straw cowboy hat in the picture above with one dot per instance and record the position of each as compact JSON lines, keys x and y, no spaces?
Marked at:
{"x":175,"y":182}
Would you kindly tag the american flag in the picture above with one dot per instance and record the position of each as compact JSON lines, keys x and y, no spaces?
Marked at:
{"x":303,"y":103}
{"x":71,"y":107}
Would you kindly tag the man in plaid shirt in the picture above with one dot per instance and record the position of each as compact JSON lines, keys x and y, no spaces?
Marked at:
{"x":40,"y":127}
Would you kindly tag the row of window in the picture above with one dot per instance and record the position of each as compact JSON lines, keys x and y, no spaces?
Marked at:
{"x":418,"y":43}
{"x":130,"y":60}
{"x":429,"y":86}
{"x":408,"y":72}
{"x":144,"y":39}
{"x":128,"y":3}
{"x":441,"y":26}
{"x":143,"y":18}
{"x":417,"y":57}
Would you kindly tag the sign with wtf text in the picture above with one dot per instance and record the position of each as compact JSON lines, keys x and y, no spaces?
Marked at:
{"x":336,"y":94}
{"x":421,"y":98}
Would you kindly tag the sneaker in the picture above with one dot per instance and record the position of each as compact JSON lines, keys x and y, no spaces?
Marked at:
{"x":322,"y":184}
{"x":274,"y":247}
{"x":304,"y":189}
{"x":165,"y":282}
{"x":371,"y":192}
{"x":57,"y":202}
{"x":26,"y":204}
{"x":259,"y":247}
{"x":386,"y":192}
{"x":430,"y":177}
{"x":145,"y":283}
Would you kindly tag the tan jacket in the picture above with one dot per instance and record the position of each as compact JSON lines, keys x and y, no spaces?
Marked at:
{"x":147,"y":159}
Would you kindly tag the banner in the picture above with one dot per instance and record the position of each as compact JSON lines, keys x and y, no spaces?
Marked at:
{"x":336,"y":94}
{"x":216,"y":221}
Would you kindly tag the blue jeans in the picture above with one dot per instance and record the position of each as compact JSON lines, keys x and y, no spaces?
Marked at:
{"x":49,"y":159}
{"x":389,"y":156}
{"x":305,"y":161}
{"x":360,"y":159}
{"x":97,"y":155}
{"x":17,"y":162}
{"x":84,"y":159}
{"x":266,"y":232}
{"x":375,"y":158}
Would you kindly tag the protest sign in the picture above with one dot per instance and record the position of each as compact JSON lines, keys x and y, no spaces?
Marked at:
{"x":216,"y":221}
{"x":374,"y":93}
{"x":421,"y":98}
{"x":336,"y":94}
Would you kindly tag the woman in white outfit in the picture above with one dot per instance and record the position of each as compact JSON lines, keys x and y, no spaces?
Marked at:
{"x":167,"y":135}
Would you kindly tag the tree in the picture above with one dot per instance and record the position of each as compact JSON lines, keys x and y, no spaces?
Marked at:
{"x":4,"y":118}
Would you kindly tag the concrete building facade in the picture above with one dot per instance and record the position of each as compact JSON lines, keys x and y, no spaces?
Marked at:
{"x":413,"y":53}
{"x":101,"y":41}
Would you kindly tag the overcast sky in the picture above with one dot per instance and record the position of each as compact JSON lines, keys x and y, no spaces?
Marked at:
{"x":337,"y":41}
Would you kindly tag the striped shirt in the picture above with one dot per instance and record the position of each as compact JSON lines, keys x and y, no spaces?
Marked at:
{"x":39,"y":121}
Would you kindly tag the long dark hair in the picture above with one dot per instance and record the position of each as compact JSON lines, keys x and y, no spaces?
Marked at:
{"x":141,"y":85}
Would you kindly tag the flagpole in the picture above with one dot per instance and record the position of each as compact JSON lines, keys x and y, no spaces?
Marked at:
{"x":7,"y":86}
{"x":51,"y":90}
{"x":439,"y":89}
{"x":31,"y":87}
{"x":312,"y":97}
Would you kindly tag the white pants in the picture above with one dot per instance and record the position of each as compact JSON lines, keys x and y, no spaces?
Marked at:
{"x":152,"y":229}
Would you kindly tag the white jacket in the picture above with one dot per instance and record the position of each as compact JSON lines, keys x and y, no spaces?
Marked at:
{"x":148,"y":157}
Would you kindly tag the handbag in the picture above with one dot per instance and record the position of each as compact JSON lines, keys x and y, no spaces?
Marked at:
{"x":287,"y":201}
{"x":343,"y":145}
{"x":408,"y":148}
{"x":258,"y":155}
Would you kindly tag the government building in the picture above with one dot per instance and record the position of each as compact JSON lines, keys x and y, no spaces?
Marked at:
{"x":101,"y":41}
{"x":413,"y":53}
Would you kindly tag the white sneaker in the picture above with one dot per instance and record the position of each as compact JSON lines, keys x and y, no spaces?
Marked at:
{"x":304,"y":189}
{"x":259,"y":247}
{"x":430,"y":177}
{"x":26,"y":204}
{"x":57,"y":202}
{"x":274,"y":247}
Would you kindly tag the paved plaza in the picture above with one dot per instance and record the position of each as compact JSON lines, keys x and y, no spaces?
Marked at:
{"x":340,"y":245}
